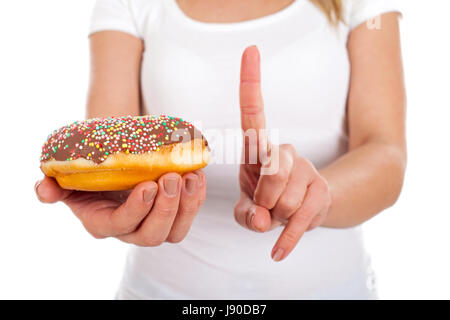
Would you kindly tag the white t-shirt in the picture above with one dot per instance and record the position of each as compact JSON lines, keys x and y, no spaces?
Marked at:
{"x":190,"y":69}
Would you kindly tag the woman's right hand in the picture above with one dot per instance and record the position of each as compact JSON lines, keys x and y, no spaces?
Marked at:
{"x":150,"y":214}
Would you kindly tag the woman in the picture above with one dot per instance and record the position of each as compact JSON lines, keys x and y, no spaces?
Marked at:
{"x":333,"y":88}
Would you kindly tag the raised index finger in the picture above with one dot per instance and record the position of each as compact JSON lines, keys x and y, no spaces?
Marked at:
{"x":252,"y":108}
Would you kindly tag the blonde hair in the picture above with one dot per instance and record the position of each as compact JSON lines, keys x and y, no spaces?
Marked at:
{"x":332,"y":9}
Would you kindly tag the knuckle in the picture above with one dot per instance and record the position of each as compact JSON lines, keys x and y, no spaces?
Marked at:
{"x":251,"y":109}
{"x":264,"y":199}
{"x":238,"y":208}
{"x":240,"y":217}
{"x":167,"y":212}
{"x":308,"y":213}
{"x":189,"y":210}
{"x":286,"y":206}
{"x":122,"y":225}
{"x":174,"y":239}
{"x":304,"y":216}
{"x":290,"y":236}
{"x":281,"y":176}
{"x":149,"y":241}
{"x":288,"y":148}
{"x":127,"y":228}
{"x":97,"y":235}
{"x":237,"y":214}
{"x":303,"y":162}
{"x":322,"y":185}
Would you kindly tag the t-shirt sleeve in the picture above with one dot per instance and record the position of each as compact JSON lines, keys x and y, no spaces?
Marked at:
{"x":114,"y":15}
{"x":363,"y":10}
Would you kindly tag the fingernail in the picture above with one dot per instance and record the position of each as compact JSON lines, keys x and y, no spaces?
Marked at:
{"x":36,"y":186}
{"x":171,"y":186}
{"x":149,"y":195}
{"x":191,"y":185}
{"x":278,"y":255}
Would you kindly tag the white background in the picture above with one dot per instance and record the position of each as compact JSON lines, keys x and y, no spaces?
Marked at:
{"x":44,"y":69}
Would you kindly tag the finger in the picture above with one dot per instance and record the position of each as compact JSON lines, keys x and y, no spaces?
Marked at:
{"x":293,"y":194}
{"x":48,"y":191}
{"x":126,"y":218}
{"x":156,"y":226}
{"x":252,"y":216}
{"x":202,"y":185}
{"x":188,"y":208}
{"x":270,"y":187}
{"x":252,"y":109}
{"x":300,"y":221}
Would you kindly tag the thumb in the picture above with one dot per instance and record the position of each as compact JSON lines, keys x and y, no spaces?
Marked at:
{"x":252,"y":216}
{"x":48,"y":191}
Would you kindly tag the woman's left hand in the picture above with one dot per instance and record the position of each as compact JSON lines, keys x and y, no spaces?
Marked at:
{"x":281,"y":189}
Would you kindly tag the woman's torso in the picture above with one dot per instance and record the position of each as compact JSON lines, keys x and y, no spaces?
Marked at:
{"x":191,"y":70}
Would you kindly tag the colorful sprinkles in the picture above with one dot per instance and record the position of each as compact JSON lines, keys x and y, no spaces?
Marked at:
{"x":96,"y":139}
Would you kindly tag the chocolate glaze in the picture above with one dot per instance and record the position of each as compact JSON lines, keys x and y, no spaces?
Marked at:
{"x":96,"y":139}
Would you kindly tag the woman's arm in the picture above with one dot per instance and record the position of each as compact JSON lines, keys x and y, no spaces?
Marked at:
{"x":355,"y":187}
{"x":115,"y":74}
{"x":153,"y":212}
{"x":369,"y":178}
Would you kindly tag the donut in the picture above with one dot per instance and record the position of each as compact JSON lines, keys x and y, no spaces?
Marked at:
{"x":117,"y":153}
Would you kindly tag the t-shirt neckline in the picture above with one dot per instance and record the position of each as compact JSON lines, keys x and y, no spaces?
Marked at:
{"x":279,"y":15}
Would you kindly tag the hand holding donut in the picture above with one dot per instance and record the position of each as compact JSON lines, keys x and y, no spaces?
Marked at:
{"x":150,"y":214}
{"x":92,"y":165}
{"x":295,"y":195}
